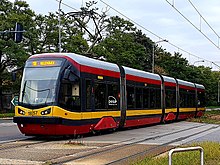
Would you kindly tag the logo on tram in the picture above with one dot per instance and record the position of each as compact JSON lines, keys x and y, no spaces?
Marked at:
{"x":112,"y":100}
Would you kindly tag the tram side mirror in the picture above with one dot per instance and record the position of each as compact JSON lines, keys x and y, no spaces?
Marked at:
{"x":13,"y":76}
{"x":66,"y":74}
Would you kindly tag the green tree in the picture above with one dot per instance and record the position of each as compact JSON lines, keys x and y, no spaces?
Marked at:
{"x":12,"y":55}
{"x":174,"y":65}
{"x":178,"y":67}
{"x":209,"y":79}
{"x":125,"y":45}
{"x":44,"y":35}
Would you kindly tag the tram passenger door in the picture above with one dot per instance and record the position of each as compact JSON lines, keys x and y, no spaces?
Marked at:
{"x":100,"y":99}
{"x":88,"y":95}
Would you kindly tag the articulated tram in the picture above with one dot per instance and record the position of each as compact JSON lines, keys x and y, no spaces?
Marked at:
{"x":68,"y":94}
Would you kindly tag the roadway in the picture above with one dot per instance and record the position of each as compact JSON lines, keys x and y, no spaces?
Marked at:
{"x":9,"y":131}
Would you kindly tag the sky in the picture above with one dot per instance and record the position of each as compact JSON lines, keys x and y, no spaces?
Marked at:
{"x":160,"y":18}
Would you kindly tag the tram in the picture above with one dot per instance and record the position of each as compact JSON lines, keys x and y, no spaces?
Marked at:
{"x":69,"y":94}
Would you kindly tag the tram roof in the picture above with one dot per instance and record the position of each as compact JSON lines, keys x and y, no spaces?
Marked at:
{"x":169,"y":79}
{"x":140,"y":73}
{"x":83,"y":60}
{"x":200,"y":86}
{"x":186,"y":83}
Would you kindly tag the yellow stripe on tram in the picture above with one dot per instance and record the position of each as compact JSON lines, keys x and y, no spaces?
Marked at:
{"x":169,"y":110}
{"x":60,"y":112}
{"x":187,"y":109}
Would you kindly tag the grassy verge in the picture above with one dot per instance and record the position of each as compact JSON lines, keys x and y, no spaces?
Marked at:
{"x":211,"y":149}
{"x":211,"y":117}
{"x":211,"y":156}
{"x":213,"y":107}
{"x":3,"y":115}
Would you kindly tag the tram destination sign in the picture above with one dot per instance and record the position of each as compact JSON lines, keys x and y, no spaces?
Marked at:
{"x":44,"y":63}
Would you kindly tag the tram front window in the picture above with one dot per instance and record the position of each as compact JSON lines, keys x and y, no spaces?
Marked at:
{"x":39,"y":85}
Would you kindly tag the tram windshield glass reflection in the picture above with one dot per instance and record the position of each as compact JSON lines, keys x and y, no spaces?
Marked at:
{"x":39,"y":85}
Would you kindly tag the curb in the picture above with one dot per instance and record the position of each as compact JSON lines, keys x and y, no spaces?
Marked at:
{"x":6,"y":118}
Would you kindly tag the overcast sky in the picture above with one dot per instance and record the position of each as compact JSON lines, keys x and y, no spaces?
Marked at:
{"x":163,"y":20}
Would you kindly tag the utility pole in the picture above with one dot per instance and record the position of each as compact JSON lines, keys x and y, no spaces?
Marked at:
{"x":59,"y":20}
{"x":1,"y":97}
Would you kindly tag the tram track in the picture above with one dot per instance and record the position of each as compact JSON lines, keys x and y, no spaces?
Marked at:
{"x":160,"y":146}
{"x":29,"y":142}
{"x":20,"y":143}
{"x":123,"y":145}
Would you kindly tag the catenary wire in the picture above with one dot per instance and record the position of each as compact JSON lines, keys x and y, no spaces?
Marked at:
{"x":153,"y":33}
{"x":204,"y":19}
{"x":193,"y":25}
{"x":146,"y":30}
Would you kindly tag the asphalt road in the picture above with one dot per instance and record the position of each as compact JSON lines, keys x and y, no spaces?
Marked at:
{"x":9,"y":131}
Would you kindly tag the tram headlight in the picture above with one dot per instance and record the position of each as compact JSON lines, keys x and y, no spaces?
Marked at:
{"x":21,"y":112}
{"x":46,"y":112}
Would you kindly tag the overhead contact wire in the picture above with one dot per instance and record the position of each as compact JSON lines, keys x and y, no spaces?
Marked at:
{"x":153,"y":32}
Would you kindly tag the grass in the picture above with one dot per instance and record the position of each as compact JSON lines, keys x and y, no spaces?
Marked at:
{"x":211,"y":149}
{"x":75,"y":143}
{"x":3,"y":115}
{"x":210,"y":117}
{"x":213,"y":107}
{"x":211,"y":156}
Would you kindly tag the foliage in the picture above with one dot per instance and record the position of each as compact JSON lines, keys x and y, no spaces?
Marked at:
{"x":5,"y":115}
{"x":174,"y":65}
{"x":45,"y":35}
{"x":178,"y":67}
{"x":211,"y":117}
{"x":125,"y":45}
{"x":12,"y":54}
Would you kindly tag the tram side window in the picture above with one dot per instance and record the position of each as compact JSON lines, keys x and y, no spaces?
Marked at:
{"x":201,"y":99}
{"x":191,"y":98}
{"x":70,"y":96}
{"x":187,"y":98}
{"x":139,"y":98}
{"x":88,"y":94}
{"x":113,"y":100}
{"x":130,"y":97}
{"x":146,"y":99}
{"x":183,"y":98}
{"x":170,"y":98}
{"x":155,"y":98}
{"x":100,"y":95}
{"x":64,"y":92}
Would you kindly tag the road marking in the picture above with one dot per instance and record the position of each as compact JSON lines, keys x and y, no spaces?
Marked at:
{"x":7,"y":124}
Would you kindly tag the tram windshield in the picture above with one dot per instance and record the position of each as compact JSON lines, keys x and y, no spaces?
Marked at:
{"x":38,"y":86}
